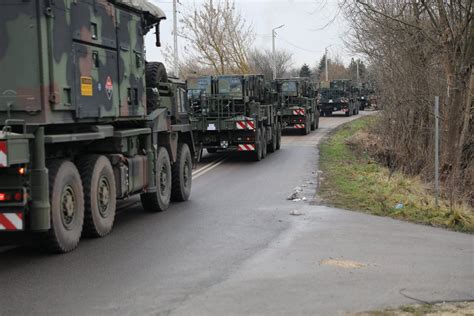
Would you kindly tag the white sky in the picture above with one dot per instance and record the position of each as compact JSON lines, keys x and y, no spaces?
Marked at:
{"x":304,"y":34}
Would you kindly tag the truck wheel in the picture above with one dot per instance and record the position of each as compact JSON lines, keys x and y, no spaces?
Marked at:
{"x":67,"y":207}
{"x":257,"y":154}
{"x":155,"y":73}
{"x":317,"y":122}
{"x":273,"y":146}
{"x":349,"y":112}
{"x":159,"y":201}
{"x":263,"y":141}
{"x":306,"y":129}
{"x":278,"y":144}
{"x":99,"y":195}
{"x":313,"y":122}
{"x":182,"y":172}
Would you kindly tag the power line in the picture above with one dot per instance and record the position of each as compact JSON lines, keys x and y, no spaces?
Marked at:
{"x":299,"y":47}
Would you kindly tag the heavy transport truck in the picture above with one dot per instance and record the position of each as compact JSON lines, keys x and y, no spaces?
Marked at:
{"x":85,"y":120}
{"x":364,"y":95}
{"x":232,"y":113}
{"x":296,"y":99}
{"x":338,"y":95}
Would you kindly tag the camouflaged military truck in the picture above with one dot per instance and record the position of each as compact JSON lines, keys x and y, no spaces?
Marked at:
{"x":85,"y":119}
{"x":341,"y":95}
{"x":231,"y":113}
{"x":297,"y":104}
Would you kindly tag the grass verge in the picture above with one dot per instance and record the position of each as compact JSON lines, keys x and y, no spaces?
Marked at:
{"x":352,"y":180}
{"x":440,"y":309}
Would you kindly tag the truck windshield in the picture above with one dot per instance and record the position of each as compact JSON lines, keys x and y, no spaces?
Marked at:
{"x":230,"y":86}
{"x":197,"y":86}
{"x":289,"y":88}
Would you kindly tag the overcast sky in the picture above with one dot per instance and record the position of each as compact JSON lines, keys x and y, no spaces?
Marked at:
{"x":304,"y":34}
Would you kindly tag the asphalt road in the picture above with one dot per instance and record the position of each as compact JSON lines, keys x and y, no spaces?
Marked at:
{"x":234,"y":248}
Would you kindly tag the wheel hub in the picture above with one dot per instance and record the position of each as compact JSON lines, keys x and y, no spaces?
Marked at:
{"x":163,"y":179}
{"x":103,"y":197}
{"x":186,"y":173}
{"x":68,"y":205}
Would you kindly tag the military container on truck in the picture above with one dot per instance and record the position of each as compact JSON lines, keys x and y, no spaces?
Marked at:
{"x":85,"y":120}
{"x":235,"y":116}
{"x":297,"y":104}
{"x":340,"y":96}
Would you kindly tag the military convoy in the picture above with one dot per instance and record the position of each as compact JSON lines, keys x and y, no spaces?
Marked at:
{"x":85,"y":119}
{"x":233,"y":113}
{"x":297,"y":104}
{"x":338,"y":95}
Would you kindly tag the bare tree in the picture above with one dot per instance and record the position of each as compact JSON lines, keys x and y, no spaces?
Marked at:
{"x":261,"y":62}
{"x":419,"y":49}
{"x":219,"y":37}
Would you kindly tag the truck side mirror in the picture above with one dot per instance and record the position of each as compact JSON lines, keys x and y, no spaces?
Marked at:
{"x":157,"y":34}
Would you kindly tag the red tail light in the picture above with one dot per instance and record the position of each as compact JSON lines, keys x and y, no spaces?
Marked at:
{"x":13,"y":196}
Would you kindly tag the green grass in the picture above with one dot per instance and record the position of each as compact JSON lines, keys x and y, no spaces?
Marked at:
{"x":459,"y":308}
{"x":352,"y":180}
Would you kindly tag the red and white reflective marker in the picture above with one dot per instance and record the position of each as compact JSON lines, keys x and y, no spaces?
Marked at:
{"x":298,"y":112}
{"x":245,"y":125}
{"x":11,"y":221}
{"x":3,"y":154}
{"x":246,"y":147}
{"x":299,"y":126}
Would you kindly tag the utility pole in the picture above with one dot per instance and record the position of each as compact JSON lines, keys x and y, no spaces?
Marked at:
{"x":175,"y":39}
{"x":436,"y":113}
{"x":326,"y":61}
{"x":357,"y":63}
{"x":274,"y":61}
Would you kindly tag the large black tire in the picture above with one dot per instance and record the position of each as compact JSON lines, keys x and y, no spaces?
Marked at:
{"x":155,"y":73}
{"x":257,"y":155}
{"x":278,"y":137}
{"x":67,"y":207}
{"x":272,"y":147}
{"x":307,"y":128}
{"x":99,"y":195}
{"x":313,"y":122}
{"x":317,"y":122}
{"x":182,"y":172}
{"x":349,"y":112}
{"x":263,"y":141}
{"x":159,"y":201}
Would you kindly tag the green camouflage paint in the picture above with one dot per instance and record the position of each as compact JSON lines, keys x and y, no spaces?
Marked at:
{"x":69,"y":61}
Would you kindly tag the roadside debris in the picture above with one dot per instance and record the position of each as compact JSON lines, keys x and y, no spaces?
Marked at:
{"x":294,"y":196}
{"x":296,"y":213}
{"x":297,"y":195}
{"x":399,"y":206}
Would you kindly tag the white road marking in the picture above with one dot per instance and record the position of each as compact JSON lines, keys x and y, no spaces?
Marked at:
{"x":208,"y":167}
